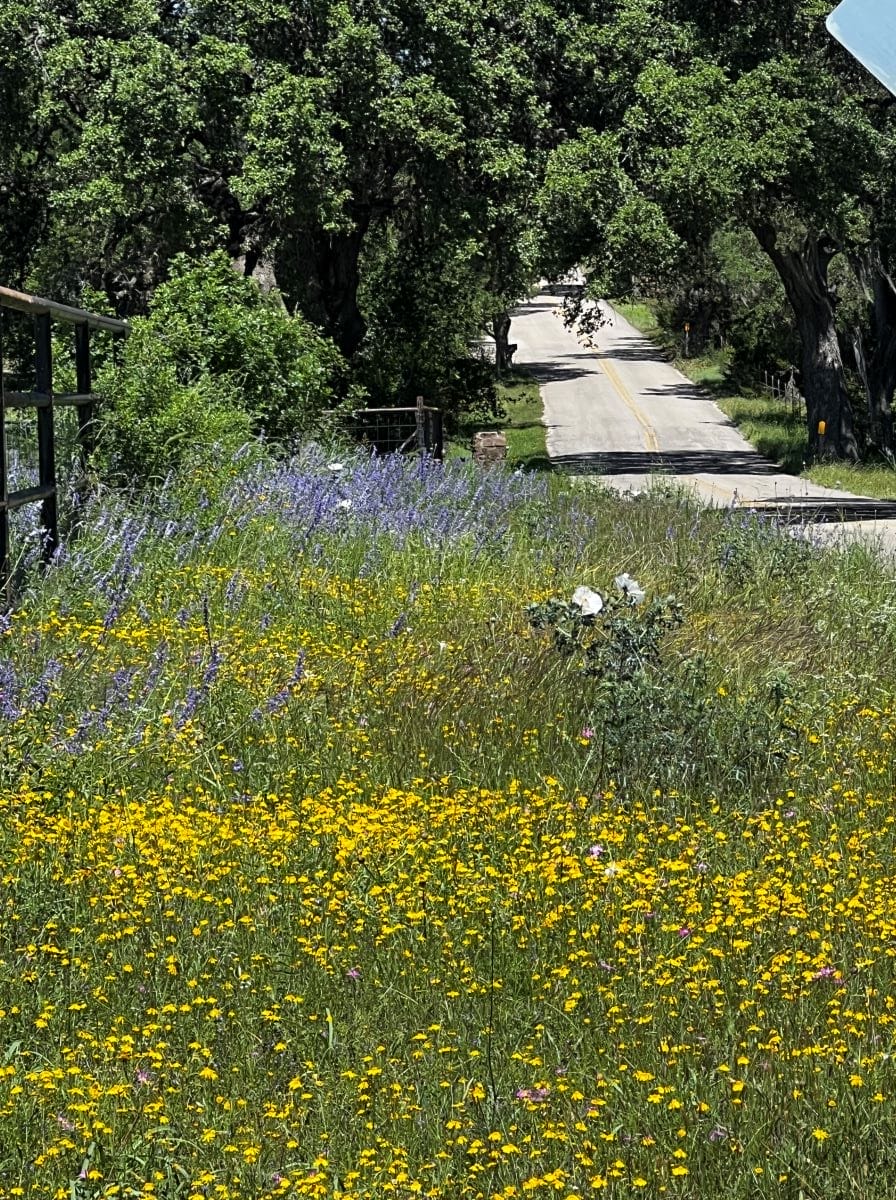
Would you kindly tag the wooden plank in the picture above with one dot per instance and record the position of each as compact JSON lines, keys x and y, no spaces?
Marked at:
{"x":437,"y":444}
{"x":25,"y":496}
{"x":39,"y":306}
{"x":85,"y":398}
{"x":364,"y":412}
{"x":74,"y":399}
{"x":40,"y":400}
{"x":28,"y":400}
{"x":420,"y":424}
{"x":4,"y":492}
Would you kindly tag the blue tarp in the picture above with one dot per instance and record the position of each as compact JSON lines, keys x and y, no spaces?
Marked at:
{"x":867,"y":28}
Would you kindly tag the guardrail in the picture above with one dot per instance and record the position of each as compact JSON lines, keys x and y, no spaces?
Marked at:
{"x":44,"y":400}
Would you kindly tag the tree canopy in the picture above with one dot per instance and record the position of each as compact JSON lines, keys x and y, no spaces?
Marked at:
{"x":398,"y":172}
{"x":746,"y":118}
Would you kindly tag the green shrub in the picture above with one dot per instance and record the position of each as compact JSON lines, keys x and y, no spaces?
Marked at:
{"x":214,"y":362}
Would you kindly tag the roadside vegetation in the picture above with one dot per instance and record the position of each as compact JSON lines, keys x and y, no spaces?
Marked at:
{"x":394,"y":180}
{"x":345,"y":855}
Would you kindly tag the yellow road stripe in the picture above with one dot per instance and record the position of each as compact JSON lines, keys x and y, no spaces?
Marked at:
{"x":724,"y":492}
{"x":625,"y":395}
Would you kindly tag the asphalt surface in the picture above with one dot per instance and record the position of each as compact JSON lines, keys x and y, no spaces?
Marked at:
{"x":615,"y":408}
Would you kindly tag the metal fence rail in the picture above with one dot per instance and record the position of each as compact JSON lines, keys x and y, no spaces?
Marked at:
{"x":401,"y":430}
{"x":44,"y":401}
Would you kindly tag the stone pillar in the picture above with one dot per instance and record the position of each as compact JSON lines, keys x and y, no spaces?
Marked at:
{"x":489,"y":447}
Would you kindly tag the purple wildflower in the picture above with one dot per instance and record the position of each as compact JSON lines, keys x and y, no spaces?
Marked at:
{"x":9,"y":692}
{"x":399,"y":625}
{"x":40,"y":693}
{"x":281,"y":698}
{"x":197,"y":695}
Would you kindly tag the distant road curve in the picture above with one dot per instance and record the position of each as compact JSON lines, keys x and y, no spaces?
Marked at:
{"x":615,"y":408}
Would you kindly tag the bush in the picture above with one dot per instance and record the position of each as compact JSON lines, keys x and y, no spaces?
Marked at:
{"x":213,"y":363}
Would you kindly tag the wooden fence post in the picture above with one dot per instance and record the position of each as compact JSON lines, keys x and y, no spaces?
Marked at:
{"x":84,"y":386}
{"x":437,"y":448}
{"x":420,"y":425}
{"x":46,"y":450}
{"x":4,"y":485}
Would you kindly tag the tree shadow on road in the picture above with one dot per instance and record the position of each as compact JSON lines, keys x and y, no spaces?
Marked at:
{"x":668,"y":462}
{"x":542,"y":304}
{"x":633,"y":351}
{"x":557,"y":370}
{"x":678,"y":391}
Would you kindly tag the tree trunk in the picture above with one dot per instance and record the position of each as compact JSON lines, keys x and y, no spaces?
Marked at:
{"x":804,"y":274}
{"x":255,"y":264}
{"x":338,"y":275}
{"x":829,"y":415}
{"x":321,"y":274}
{"x":501,"y":334}
{"x":881,"y":386}
{"x":877,"y":369}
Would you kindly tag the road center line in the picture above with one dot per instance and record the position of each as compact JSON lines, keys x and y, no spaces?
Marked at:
{"x":724,"y":493}
{"x":650,"y":439}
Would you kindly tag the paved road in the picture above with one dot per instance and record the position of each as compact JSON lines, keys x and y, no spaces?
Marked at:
{"x":617,"y":409}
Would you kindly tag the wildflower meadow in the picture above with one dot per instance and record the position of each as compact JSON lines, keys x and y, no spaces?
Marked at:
{"x":374,"y":828}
